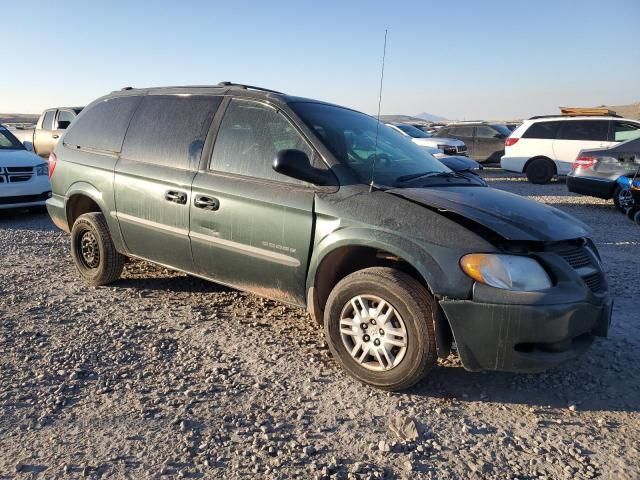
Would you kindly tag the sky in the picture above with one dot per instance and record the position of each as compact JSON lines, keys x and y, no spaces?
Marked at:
{"x":460,"y":59}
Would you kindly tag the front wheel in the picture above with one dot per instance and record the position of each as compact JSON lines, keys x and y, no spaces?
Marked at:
{"x":93,"y":252}
{"x":379,"y":326}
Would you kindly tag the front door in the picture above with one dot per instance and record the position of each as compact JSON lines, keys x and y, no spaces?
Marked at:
{"x":153,"y":176}
{"x":576,"y":135}
{"x":250,"y":226}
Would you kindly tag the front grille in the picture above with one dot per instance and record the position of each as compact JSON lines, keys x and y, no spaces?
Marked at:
{"x":595,"y":281}
{"x":576,"y":257}
{"x":24,"y":199}
{"x":15,"y":174}
{"x":582,"y":259}
{"x":449,"y":150}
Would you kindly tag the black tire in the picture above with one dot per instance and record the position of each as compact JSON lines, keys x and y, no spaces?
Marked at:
{"x":414,"y":305}
{"x":622,"y":198}
{"x":93,"y":252}
{"x":636,"y":218}
{"x":631,"y":212}
{"x":540,"y":171}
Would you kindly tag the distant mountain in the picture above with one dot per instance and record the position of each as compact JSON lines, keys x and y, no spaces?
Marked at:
{"x":430,"y":117}
{"x":631,"y":110}
{"x":18,"y":118}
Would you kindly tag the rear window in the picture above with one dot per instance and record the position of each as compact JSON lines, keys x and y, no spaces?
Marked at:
{"x":170,"y":130}
{"x":542,"y":130}
{"x":588,"y":130}
{"x":102,"y":126}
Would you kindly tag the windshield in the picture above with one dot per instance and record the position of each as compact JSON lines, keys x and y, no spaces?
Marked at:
{"x":412,"y":131}
{"x":351,"y":137}
{"x":8,"y":141}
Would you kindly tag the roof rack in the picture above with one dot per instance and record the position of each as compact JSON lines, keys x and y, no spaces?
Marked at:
{"x":219,"y":85}
{"x":247,"y":87}
{"x":536,"y":117}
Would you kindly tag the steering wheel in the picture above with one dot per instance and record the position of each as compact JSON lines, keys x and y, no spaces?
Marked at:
{"x":379,"y":158}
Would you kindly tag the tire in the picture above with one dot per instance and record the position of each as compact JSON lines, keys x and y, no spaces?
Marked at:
{"x":540,"y":171}
{"x":622,"y":198}
{"x":636,"y":217}
{"x":631,"y":212}
{"x":412,"y":316}
{"x":100,"y":263}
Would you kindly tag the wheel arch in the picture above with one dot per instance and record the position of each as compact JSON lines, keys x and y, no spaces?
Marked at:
{"x":540,"y":157}
{"x":81,"y":198}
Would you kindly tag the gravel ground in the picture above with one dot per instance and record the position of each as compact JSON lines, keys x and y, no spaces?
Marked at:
{"x":162,"y":375}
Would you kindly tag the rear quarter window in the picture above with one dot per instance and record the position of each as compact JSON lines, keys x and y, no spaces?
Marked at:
{"x":542,"y":130}
{"x":587,"y":130}
{"x":170,"y":130}
{"x":103,"y":125}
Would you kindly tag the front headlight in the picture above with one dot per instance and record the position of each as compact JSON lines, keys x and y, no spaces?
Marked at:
{"x":42,"y":169}
{"x":510,"y":272}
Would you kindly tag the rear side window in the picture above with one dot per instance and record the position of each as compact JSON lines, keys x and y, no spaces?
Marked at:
{"x":250,"y":136}
{"x":170,"y":130}
{"x":47,"y":122}
{"x":623,"y":131}
{"x":461,"y":131}
{"x":542,"y":130}
{"x":484,"y":131}
{"x":103,"y":125}
{"x":65,"y":117}
{"x":588,"y":130}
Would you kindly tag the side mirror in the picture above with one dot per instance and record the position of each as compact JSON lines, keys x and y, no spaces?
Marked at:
{"x":62,"y":125}
{"x":296,"y":164}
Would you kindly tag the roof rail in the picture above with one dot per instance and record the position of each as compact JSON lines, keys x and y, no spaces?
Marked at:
{"x":247,"y":87}
{"x":536,"y":117}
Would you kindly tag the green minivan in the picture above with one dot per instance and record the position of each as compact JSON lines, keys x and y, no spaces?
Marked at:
{"x":323,"y":207}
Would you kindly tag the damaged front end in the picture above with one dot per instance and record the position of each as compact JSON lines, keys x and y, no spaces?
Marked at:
{"x":525,"y":325}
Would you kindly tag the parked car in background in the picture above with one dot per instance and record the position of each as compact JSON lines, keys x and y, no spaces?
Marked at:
{"x":450,"y":146}
{"x":457,"y":163}
{"x":24,"y":181}
{"x":546,"y":146}
{"x":395,"y":254}
{"x":485,"y":141}
{"x":50,"y":127}
{"x":595,"y":172}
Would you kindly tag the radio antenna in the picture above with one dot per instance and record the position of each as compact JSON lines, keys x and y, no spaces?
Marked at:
{"x":375,"y":151}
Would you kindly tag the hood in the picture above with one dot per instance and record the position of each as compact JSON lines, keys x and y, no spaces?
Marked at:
{"x":435,"y":141}
{"x":460,"y":164}
{"x":19,"y":158}
{"x":511,"y":216}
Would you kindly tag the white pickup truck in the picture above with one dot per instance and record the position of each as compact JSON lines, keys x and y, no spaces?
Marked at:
{"x":51,"y":124}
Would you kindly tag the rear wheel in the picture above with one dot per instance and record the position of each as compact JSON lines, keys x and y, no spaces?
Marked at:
{"x":540,"y":171}
{"x":622,"y":198}
{"x":379,"y":326}
{"x":93,"y":252}
{"x":636,"y":218}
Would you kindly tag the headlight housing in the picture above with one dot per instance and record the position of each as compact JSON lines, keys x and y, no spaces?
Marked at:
{"x":42,"y":169}
{"x":510,"y":272}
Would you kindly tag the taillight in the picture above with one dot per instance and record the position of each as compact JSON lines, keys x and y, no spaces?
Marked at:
{"x":510,"y":141}
{"x":584,"y":162}
{"x":52,"y":163}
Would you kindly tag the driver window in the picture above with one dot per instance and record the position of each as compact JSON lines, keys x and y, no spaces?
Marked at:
{"x":249,"y":138}
{"x":483,"y":131}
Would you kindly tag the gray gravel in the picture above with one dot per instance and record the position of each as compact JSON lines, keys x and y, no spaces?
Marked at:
{"x":162,"y":375}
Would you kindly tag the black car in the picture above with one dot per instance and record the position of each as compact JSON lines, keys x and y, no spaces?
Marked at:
{"x":595,"y":172}
{"x":484,"y":141}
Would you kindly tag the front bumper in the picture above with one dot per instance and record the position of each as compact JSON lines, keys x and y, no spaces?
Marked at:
{"x":591,"y":186}
{"x":24,"y":201}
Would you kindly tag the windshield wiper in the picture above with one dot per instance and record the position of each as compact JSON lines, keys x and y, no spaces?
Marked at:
{"x":414,"y":176}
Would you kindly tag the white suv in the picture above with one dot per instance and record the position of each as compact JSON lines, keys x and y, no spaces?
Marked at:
{"x":546,"y":146}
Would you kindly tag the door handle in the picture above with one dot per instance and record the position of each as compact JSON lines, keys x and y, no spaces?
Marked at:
{"x":175,"y":197}
{"x":206,"y":203}
{"x":55,"y":136}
